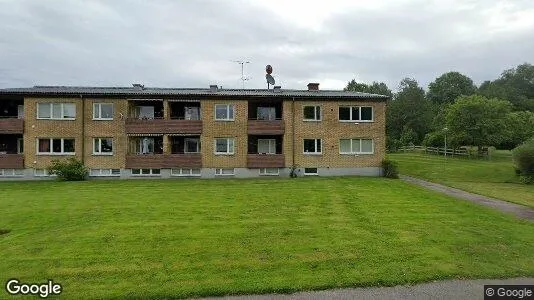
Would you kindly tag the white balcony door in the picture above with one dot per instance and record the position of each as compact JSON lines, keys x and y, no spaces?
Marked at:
{"x":20,"y":111}
{"x":267,"y":146}
{"x":145,"y":112}
{"x":266,"y":113}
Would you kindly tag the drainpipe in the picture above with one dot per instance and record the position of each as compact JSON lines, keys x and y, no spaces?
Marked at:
{"x":293,"y":133}
{"x":83,"y":129}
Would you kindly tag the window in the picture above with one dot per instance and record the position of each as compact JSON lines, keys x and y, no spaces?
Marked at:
{"x":266,"y":146}
{"x":312,"y":146}
{"x":144,"y":112}
{"x":105,"y":172}
{"x":224,"y":146}
{"x":146,"y":172}
{"x":266,"y":113}
{"x":102,"y":146}
{"x":185,"y":172}
{"x":20,"y":146}
{"x":42,"y":173}
{"x":310,"y":172}
{"x":269,"y":172}
{"x":192,"y":113}
{"x":224,"y":112}
{"x":356,"y":146}
{"x":224,"y":172}
{"x":11,"y":172}
{"x":312,"y":113}
{"x":191,"y":145}
{"x":356,"y":113}
{"x":20,"y":111}
{"x":55,"y":146}
{"x":56,"y":111}
{"x":103,"y":111}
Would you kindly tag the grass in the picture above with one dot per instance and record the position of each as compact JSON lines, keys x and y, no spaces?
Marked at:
{"x":180,"y":238}
{"x":493,"y":178}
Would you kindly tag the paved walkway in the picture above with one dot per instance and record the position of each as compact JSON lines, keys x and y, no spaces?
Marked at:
{"x":448,"y":289}
{"x":520,"y":211}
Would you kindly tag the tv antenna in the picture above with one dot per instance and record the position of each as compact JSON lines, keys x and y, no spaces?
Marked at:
{"x":243,"y":77}
{"x":268,"y":76}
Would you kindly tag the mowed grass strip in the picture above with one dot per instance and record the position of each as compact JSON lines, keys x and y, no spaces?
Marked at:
{"x":493,"y":178}
{"x":180,"y":238}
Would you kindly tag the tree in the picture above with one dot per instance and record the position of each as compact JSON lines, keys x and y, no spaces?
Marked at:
{"x":478,"y":121}
{"x":449,"y":86}
{"x":515,"y":85}
{"x":379,"y":88}
{"x":519,"y":128}
{"x":409,"y":112}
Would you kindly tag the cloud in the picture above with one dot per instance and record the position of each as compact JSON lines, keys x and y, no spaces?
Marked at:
{"x":193,"y":43}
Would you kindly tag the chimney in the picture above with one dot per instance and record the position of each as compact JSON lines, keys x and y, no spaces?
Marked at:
{"x":313,"y":86}
{"x":277,"y":89}
{"x":138,"y":86}
{"x":213,"y":88}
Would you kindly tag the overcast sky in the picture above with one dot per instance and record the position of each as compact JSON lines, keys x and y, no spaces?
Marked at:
{"x":169,"y":43}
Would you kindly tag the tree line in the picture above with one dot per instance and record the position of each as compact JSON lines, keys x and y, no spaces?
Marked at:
{"x":497,"y":113}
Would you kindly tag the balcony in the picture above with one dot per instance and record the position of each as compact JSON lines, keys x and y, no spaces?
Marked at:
{"x":163,"y":161}
{"x":265,"y":161}
{"x":266,"y":127}
{"x":148,"y":126}
{"x":11,"y":125}
{"x":11,"y":161}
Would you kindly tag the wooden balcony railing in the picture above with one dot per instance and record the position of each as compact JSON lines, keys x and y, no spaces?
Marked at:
{"x":265,"y":161}
{"x":11,"y":161}
{"x":163,"y":161}
{"x":266,"y":127}
{"x":163,"y":126}
{"x":11,"y":125}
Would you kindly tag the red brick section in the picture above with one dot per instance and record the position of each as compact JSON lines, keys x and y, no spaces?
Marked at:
{"x":11,"y":161}
{"x":265,"y":161}
{"x":163,"y":126}
{"x":11,"y":126}
{"x":160,"y":161}
{"x":274,"y":127}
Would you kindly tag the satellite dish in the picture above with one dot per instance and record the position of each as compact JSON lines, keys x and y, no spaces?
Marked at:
{"x":270,"y":79}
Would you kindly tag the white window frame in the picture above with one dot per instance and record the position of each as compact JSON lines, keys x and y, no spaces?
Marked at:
{"x":20,"y":146}
{"x":181,"y":172}
{"x":150,"y":173}
{"x":359,"y":140}
{"x":99,"y":152}
{"x":229,"y":108}
{"x":311,"y":174}
{"x":52,"y":111}
{"x":263,"y":172}
{"x":359,"y":120}
{"x":272,"y":146}
{"x":99,"y":117}
{"x":186,"y":140}
{"x":11,"y":172}
{"x":220,"y":172}
{"x":228,"y":150}
{"x":316,"y":118}
{"x":312,"y":153}
{"x":44,"y":174}
{"x":51,"y":147}
{"x":100,"y":173}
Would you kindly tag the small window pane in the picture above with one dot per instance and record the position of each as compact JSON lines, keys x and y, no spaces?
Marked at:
{"x":44,"y":145}
{"x":115,"y":172}
{"x":221,"y":112}
{"x":68,"y":145}
{"x":345,"y":146}
{"x":156,"y":171}
{"x":310,"y":145}
{"x":56,"y":145}
{"x":18,"y":172}
{"x":356,"y":146}
{"x":230,"y":111}
{"x":318,"y":146}
{"x":221,"y":145}
{"x":344,"y":113}
{"x":106,"y":111}
{"x":309,"y":112}
{"x":266,"y":113}
{"x":69,"y":110}
{"x":44,"y":110}
{"x":195,"y":171}
{"x":56,"y":111}
{"x":136,"y":171}
{"x":106,"y":145}
{"x":367,"y":113}
{"x":96,"y":111}
{"x":355,"y":114}
{"x":105,"y":172}
{"x":367,"y":146}
{"x":310,"y":171}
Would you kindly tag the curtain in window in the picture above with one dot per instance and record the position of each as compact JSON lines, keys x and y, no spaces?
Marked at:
{"x":44,"y":145}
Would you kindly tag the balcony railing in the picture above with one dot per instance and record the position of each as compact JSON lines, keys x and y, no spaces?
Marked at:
{"x":11,"y":125}
{"x":11,"y":161}
{"x":134,"y":125}
{"x":162,"y":161}
{"x":266,"y":127}
{"x":265,"y":161}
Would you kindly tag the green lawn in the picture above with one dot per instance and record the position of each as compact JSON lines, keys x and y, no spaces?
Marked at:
{"x":178,"y":238}
{"x":494,"y":178}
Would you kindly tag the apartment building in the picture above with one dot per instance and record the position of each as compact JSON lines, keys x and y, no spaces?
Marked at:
{"x":138,"y":132}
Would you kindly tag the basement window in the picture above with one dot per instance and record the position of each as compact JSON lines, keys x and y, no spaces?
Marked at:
{"x":224,"y":172}
{"x":146,"y":172}
{"x":310,"y":172}
{"x":185,"y":172}
{"x":269,"y":172}
{"x":11,"y":172}
{"x":104,"y":172}
{"x":42,"y":173}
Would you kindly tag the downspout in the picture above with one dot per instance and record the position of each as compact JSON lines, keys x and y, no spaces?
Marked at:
{"x":83,"y":129}
{"x":293,"y":133}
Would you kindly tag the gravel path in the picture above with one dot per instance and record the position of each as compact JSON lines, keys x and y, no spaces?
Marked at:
{"x":520,"y":211}
{"x":448,"y":289}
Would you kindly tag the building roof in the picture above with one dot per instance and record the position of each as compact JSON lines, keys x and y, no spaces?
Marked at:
{"x":169,"y":92}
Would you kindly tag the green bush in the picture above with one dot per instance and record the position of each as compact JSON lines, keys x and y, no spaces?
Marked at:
{"x":70,"y":169}
{"x":390,"y":169}
{"x":524,"y":161}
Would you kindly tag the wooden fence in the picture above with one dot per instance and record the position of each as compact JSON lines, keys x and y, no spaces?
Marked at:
{"x":435,"y":150}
